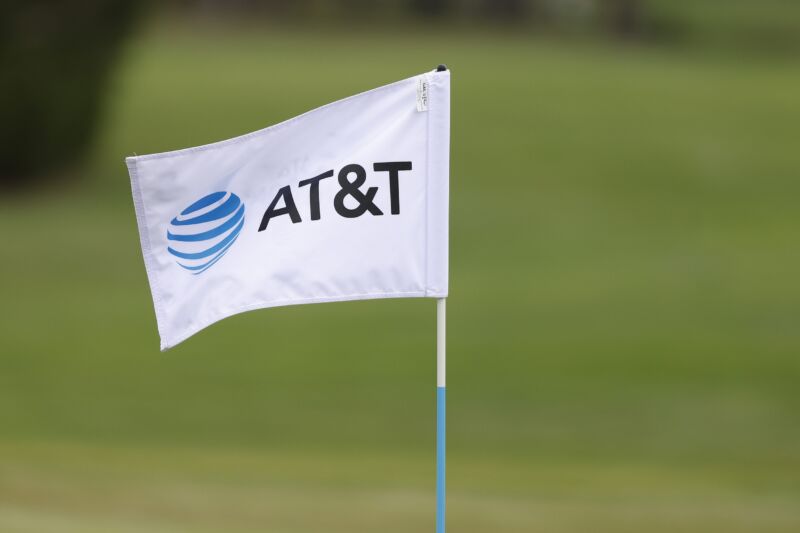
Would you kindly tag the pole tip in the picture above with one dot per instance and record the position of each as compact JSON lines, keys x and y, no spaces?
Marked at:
{"x":441,"y":68}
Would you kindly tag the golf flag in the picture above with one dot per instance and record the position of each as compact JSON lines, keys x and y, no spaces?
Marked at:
{"x":345,"y":202}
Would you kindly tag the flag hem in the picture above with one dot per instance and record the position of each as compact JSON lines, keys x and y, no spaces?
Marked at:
{"x":262,"y":131}
{"x":144,"y":239}
{"x":438,"y":184}
{"x":171,"y":343}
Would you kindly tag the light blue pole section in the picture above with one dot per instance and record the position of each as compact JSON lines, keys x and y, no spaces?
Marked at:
{"x":440,"y":458}
{"x":440,"y":413}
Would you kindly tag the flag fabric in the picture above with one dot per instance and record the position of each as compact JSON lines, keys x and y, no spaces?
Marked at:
{"x":345,"y":202}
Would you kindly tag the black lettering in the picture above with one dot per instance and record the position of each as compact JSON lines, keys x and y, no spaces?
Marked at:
{"x":289,"y":208}
{"x":313,"y":192}
{"x":393,"y":168}
{"x":351,"y":188}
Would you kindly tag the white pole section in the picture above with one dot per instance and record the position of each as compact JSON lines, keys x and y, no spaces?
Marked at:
{"x":440,"y":415}
{"x":440,"y":342}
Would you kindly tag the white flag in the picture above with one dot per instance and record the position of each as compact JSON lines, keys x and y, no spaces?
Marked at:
{"x":346,"y":202}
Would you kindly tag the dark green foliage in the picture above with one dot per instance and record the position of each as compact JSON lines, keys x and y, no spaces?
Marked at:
{"x":56,"y":57}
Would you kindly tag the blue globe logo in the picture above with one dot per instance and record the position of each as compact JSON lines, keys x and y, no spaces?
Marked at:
{"x":206,"y":230}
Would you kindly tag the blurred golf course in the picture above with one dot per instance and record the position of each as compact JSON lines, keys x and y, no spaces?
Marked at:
{"x":623,"y":325}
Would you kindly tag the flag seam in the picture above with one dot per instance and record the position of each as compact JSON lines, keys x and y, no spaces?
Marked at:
{"x":431,"y":110}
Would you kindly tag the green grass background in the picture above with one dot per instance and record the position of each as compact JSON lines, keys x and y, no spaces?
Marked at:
{"x":624,"y":319}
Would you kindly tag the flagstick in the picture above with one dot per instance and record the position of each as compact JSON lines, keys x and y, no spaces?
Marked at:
{"x":440,"y":415}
